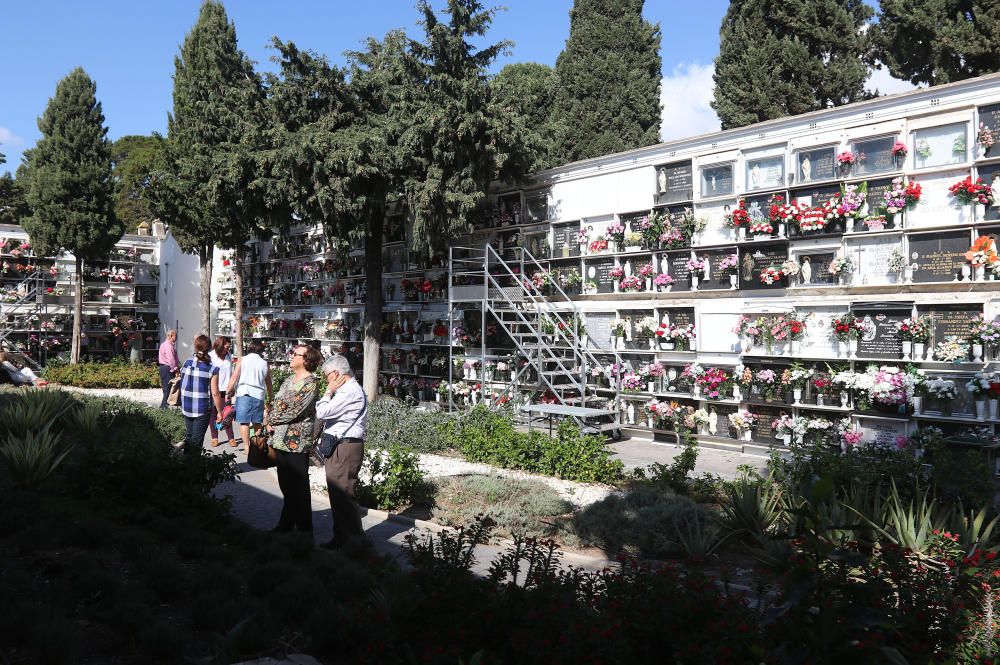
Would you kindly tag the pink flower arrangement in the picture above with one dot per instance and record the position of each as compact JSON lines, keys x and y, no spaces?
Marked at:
{"x":846,"y":157}
{"x":714,"y":382}
{"x":630,"y":284}
{"x":899,"y":149}
{"x":617,"y":272}
{"x":645,"y":270}
{"x":695,"y":265}
{"x":851,"y":438}
{"x":663,"y":279}
{"x":729,"y":261}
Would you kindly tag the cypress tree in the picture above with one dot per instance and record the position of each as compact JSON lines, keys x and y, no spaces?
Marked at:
{"x":13,"y":207}
{"x":785,"y":57}
{"x":206,"y":192}
{"x":608,"y":97}
{"x":938,"y":41}
{"x":70,"y":189}
{"x":136,"y":159}
{"x":525,"y":92}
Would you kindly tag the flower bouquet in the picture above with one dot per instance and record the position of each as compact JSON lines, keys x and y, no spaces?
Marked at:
{"x":766,"y":381}
{"x":714,"y":383}
{"x":771,"y":275}
{"x":742,"y":421}
{"x":951,"y":350}
{"x":813,"y":219}
{"x":663,"y":282}
{"x":616,"y":232}
{"x":739,"y":218}
{"x":761,"y":227}
{"x":631,"y":284}
{"x":982,"y":255}
{"x":843,"y":268}
{"x":979,"y":388}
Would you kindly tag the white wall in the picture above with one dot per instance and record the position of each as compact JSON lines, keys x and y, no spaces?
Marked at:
{"x":179,"y":293}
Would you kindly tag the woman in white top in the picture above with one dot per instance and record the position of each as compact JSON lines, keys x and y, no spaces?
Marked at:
{"x":222,"y":358}
{"x":249,"y":385}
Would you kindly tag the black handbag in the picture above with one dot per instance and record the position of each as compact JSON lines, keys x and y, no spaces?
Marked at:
{"x":328,"y":443}
{"x":260,"y":455}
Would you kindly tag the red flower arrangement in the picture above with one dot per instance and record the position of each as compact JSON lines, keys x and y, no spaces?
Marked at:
{"x":427,"y":286}
{"x":440,"y":330}
{"x":775,"y":202}
{"x":913,"y":192}
{"x":967,"y":192}
{"x":741,"y":216}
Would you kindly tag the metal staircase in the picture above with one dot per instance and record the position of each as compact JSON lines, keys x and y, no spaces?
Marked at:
{"x":31,"y":302}
{"x":543,"y":333}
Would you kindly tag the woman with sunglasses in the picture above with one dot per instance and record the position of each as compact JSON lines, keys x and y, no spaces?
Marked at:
{"x":289,"y":421}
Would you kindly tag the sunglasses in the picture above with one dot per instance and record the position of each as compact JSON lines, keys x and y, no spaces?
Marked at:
{"x":299,"y":355}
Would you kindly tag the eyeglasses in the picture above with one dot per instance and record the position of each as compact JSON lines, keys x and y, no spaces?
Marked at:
{"x":299,"y":355}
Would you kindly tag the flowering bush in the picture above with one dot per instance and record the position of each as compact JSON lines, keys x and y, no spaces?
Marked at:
{"x":967,"y":192}
{"x":951,"y":349}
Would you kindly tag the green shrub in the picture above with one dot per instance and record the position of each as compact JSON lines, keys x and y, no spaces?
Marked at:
{"x":394,"y":479}
{"x":391,"y":422}
{"x":32,"y":445}
{"x":525,"y":507}
{"x":491,"y":437}
{"x":117,"y":374}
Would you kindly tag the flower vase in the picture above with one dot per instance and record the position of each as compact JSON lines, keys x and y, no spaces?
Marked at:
{"x":797,"y":395}
{"x":747,"y":435}
{"x":437,"y":397}
{"x":981,"y":409}
{"x":897,"y":220}
{"x":980,"y":212}
{"x":737,"y":393}
{"x":908,"y":274}
{"x":650,"y":387}
{"x":907,"y":349}
{"x":616,"y":286}
{"x":734,"y":282}
{"x":694,"y":282}
{"x":786,"y":440}
{"x":994,"y":408}
{"x":652,"y":344}
{"x":965,"y":214}
{"x":667,"y":346}
{"x":819,"y":399}
{"x":966,"y":273}
{"x":583,"y":341}
{"x":796,"y":347}
{"x":842,"y":349}
{"x":980,"y":273}
{"x":620,"y":343}
{"x":918,"y":404}
{"x":981,"y":151}
{"x":946,"y":409}
{"x":649,"y":284}
{"x":918,"y":350}
{"x":781,"y":229}
{"x":696,"y":390}
{"x":845,"y":279}
{"x":845,"y":399}
{"x":977,"y":353}
{"x":853,"y":346}
{"x":743,"y":233}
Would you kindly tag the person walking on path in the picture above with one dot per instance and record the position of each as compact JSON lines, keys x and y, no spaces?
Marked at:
{"x":167,"y":361}
{"x":222,"y":358}
{"x":199,"y":389}
{"x":344,"y":411}
{"x":250,"y":386}
{"x":290,"y":423}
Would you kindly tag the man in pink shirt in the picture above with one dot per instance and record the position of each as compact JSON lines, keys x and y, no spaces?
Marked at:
{"x":168,"y":364}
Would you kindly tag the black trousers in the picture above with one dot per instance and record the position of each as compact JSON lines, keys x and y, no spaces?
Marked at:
{"x":165,"y":376}
{"x":293,"y":479}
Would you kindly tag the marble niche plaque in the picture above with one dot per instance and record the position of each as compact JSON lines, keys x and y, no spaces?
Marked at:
{"x":871,"y":256}
{"x":564,"y":240}
{"x":879,"y":336}
{"x":819,"y":267}
{"x":874,"y":155}
{"x":819,"y":340}
{"x":817,"y":164}
{"x":880,"y":431}
{"x":939,"y":257}
{"x":758,"y":208}
{"x":630,"y":220}
{"x":714,"y":214}
{"x":674,"y":183}
{"x":639,"y":340}
{"x":716,"y":180}
{"x":753,"y":259}
{"x":675,"y":265}
{"x":765,"y":173}
{"x":722,"y":426}
{"x":937,"y":206}
{"x":678,"y":316}
{"x":990,"y":174}
{"x":951,"y":320}
{"x":599,"y":270}
{"x":717,"y":279}
{"x":990,"y":117}
{"x":763,"y":431}
{"x":599,"y":330}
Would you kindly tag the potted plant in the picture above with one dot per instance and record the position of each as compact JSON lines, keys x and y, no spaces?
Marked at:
{"x":616,"y":232}
{"x":598,"y":245}
{"x":728,"y":266}
{"x":822,"y":385}
{"x":843,"y":268}
{"x":739,"y":219}
{"x":894,"y":200}
{"x":785,"y":427}
{"x":796,"y":327}
{"x":618,"y":331}
{"x":696,"y":266}
{"x":845,"y":162}
{"x":875,"y":222}
{"x":616,"y":273}
{"x":664,"y":337}
{"x":944,"y":391}
{"x":645,"y":272}
{"x":742,"y":382}
{"x":766,"y":381}
{"x":663,"y":282}
{"x":968,"y":193}
{"x":633,"y":242}
{"x":796,"y":377}
{"x":647,"y":327}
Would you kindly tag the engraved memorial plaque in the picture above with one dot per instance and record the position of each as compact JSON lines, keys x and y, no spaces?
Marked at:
{"x":939,"y":257}
{"x":674,"y":183}
{"x":716,"y":180}
{"x":874,"y":155}
{"x":717,"y":278}
{"x":676,"y":263}
{"x":814,"y":197}
{"x":765,"y":173}
{"x":819,"y":267}
{"x":564,"y":240}
{"x":876,"y":189}
{"x":753,"y":259}
{"x":537,"y":204}
{"x":630,"y":220}
{"x":951,"y":320}
{"x":763,"y":430}
{"x":880,"y":432}
{"x":602,"y":274}
{"x":815,"y":164}
{"x":871,"y":256}
{"x":879,"y":337}
{"x":990,"y":175}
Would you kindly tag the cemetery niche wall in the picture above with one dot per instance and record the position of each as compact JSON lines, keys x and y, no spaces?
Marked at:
{"x":750,"y":286}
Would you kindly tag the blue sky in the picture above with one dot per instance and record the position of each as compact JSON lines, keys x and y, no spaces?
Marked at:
{"x":128,"y":48}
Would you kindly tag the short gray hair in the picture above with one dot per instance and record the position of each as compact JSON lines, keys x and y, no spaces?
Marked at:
{"x":337,"y":363}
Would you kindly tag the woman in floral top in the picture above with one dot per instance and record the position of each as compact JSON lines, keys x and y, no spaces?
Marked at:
{"x":290,"y":423}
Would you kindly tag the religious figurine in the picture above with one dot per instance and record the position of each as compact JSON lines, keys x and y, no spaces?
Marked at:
{"x":665,"y":320}
{"x":748,"y":266}
{"x":712,"y":183}
{"x":628,"y":328}
{"x":806,"y":271}
{"x":707,"y":273}
{"x":806,"y":168}
{"x":713,"y":422}
{"x":631,"y":413}
{"x":661,"y":181}
{"x":755,"y":176}
{"x":628,"y":268}
{"x":996,"y":188}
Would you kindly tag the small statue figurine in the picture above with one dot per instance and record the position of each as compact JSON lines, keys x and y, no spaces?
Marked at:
{"x":806,"y":168}
{"x":628,"y":268}
{"x":713,"y":422}
{"x":806,"y":271}
{"x":661,"y":181}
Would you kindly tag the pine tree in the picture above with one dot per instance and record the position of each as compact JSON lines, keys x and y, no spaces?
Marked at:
{"x":608,"y":97}
{"x":215,"y":132}
{"x":938,"y":41}
{"x":785,"y":57}
{"x":525,"y":92}
{"x":70,"y":188}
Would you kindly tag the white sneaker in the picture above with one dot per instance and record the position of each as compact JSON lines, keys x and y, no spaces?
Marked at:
{"x":179,"y":445}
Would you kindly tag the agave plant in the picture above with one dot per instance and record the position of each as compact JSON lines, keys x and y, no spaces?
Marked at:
{"x":752,"y":507}
{"x":911,"y":525}
{"x":32,"y":457}
{"x":32,"y":410}
{"x":975,"y":533}
{"x":697,"y":537}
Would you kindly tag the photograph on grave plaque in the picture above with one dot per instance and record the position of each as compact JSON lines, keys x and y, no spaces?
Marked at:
{"x":879,"y":336}
{"x":989,"y":117}
{"x":938,"y":257}
{"x":990,"y":174}
{"x":873,"y":155}
{"x":815,"y":164}
{"x":951,"y":320}
{"x":716,"y":180}
{"x":765,"y":173}
{"x":754,"y":259}
{"x":674,"y":182}
{"x":599,"y":270}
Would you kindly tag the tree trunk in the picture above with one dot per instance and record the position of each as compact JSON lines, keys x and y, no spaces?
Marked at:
{"x":238,"y":308}
{"x":74,"y":356}
{"x":205,"y":265}
{"x":373,"y":304}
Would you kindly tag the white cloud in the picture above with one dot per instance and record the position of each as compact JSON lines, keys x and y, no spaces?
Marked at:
{"x":684,"y":99}
{"x":8,"y":137}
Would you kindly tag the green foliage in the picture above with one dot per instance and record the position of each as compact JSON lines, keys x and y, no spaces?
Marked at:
{"x":137,"y":159}
{"x":391,"y":422}
{"x":32,"y":457}
{"x":524,"y":507}
{"x":786,"y":58}
{"x":752,"y":508}
{"x":13,"y":206}
{"x":525,"y":92}
{"x":487,"y":436}
{"x":937,"y":41}
{"x":608,"y":95}
{"x":391,"y":478}
{"x":116,"y":374}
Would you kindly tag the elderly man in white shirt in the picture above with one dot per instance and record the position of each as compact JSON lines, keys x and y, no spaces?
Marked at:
{"x":344,"y":412}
